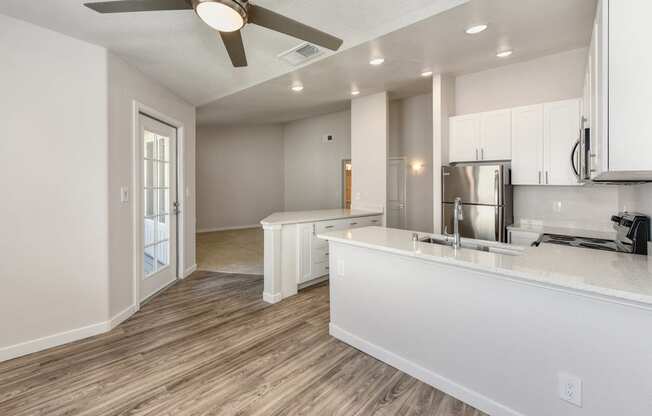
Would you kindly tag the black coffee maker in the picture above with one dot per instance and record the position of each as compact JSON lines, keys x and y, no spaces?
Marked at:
{"x":633,"y":232}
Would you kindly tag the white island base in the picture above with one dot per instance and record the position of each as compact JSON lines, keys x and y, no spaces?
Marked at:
{"x":294,"y":257}
{"x":496,"y":342}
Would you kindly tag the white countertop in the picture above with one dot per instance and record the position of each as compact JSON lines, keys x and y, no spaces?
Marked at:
{"x":621,"y":276}
{"x":539,"y":228}
{"x":299,"y":217}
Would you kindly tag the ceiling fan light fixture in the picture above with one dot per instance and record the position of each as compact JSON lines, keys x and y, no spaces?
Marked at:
{"x":222,"y":15}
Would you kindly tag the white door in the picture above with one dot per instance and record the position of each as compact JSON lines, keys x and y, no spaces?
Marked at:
{"x":465,"y":138}
{"x":396,"y":198}
{"x":496,"y":135}
{"x":561,"y":129}
{"x":527,"y":145}
{"x":159,"y":222}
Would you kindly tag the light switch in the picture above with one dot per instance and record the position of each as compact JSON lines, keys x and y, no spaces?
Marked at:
{"x":340,"y":268}
{"x":124,"y":194}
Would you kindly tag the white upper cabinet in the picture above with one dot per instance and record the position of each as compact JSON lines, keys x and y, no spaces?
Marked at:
{"x":481,"y":136}
{"x":465,"y":138}
{"x":561,"y":130}
{"x":496,"y":135}
{"x":619,"y":92}
{"x":527,"y":145}
{"x":543,"y":137}
{"x":630,"y":85}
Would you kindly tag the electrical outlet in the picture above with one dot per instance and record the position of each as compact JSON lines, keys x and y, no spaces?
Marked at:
{"x":570,"y":389}
{"x":340,"y":268}
{"x":327,"y":138}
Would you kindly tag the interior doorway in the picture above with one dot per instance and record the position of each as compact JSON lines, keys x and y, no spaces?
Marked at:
{"x":397,"y":193}
{"x":347,"y":172}
{"x":158,"y":199}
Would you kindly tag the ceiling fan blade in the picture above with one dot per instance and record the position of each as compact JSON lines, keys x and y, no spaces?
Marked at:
{"x":267,"y":18}
{"x":127,"y":6}
{"x":235,"y":48}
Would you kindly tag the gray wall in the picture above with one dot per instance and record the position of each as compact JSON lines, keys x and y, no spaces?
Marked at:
{"x":410,"y":136}
{"x":240,"y":176}
{"x":313,"y":177}
{"x":127,"y":84}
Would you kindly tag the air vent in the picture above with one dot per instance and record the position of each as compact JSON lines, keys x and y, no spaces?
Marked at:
{"x":300,"y":54}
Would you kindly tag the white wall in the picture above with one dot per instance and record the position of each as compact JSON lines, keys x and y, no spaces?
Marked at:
{"x":54,"y":174}
{"x":549,"y":78}
{"x":369,"y":146}
{"x":239,"y":175}
{"x":313,"y":170}
{"x":410,"y":136}
{"x":126,"y":84}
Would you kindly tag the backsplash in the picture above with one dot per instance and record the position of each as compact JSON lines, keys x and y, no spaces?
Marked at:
{"x":588,"y":207}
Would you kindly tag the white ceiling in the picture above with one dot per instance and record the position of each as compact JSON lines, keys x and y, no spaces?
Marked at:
{"x":532,"y":28}
{"x":181,"y":52}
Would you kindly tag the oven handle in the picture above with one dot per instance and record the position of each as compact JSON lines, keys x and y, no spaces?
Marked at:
{"x":573,"y":153}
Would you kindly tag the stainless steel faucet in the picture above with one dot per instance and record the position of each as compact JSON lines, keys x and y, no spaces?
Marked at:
{"x":458,"y":215}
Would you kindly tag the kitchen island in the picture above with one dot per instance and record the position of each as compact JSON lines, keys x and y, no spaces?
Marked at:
{"x":293,"y":255}
{"x":499,"y":331}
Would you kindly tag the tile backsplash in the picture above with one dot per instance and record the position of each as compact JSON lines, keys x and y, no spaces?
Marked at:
{"x":587,"y":207}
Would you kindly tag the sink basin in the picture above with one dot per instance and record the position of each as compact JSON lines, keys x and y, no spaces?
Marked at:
{"x":474,"y":245}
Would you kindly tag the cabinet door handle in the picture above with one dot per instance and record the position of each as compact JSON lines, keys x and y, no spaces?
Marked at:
{"x":547,"y":181}
{"x":353,"y":223}
{"x":330,"y":226}
{"x":539,"y":177}
{"x":482,"y":154}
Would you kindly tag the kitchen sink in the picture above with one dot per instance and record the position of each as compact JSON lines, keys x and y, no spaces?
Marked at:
{"x":476,"y":245}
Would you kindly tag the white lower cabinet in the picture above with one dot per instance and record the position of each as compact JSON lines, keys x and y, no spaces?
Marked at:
{"x":313,"y":252}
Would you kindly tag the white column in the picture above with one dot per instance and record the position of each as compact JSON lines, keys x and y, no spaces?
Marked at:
{"x":443,"y":107}
{"x":272,"y":292}
{"x":369,"y":141}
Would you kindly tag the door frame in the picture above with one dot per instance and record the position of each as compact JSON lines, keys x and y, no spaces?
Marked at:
{"x":343,"y":184}
{"x":136,"y":214}
{"x":405,"y":179}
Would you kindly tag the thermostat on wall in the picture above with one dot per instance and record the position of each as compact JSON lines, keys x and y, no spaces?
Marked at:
{"x":327,"y":138}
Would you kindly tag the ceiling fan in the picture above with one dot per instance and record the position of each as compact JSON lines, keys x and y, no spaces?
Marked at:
{"x":227,"y":17}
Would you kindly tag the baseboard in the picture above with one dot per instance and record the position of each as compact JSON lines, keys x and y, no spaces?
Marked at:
{"x":40,"y":344}
{"x":122,"y":316}
{"x":190,"y":270}
{"x":239,"y":227}
{"x":471,"y":397}
{"x":62,"y":338}
{"x":272,"y":298}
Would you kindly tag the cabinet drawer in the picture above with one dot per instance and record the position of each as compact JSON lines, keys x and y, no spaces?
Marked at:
{"x":370,"y":221}
{"x":320,"y":269}
{"x":326,"y":226}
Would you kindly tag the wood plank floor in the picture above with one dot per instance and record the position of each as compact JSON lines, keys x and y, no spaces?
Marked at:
{"x":210,"y":346}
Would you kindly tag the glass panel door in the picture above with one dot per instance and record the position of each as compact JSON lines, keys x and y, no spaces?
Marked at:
{"x":159,"y":195}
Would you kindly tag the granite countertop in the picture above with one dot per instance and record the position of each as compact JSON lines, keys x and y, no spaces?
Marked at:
{"x":618,"y":276}
{"x":299,"y":217}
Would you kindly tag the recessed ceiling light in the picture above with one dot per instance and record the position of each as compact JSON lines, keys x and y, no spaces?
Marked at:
{"x":473,"y":30}
{"x":377,"y":61}
{"x":504,"y":54}
{"x":426,"y":73}
{"x":297,"y":88}
{"x":221,"y":16}
{"x":355,"y":92}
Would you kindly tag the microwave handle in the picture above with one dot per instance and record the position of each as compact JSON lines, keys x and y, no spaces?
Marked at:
{"x":572,"y":157}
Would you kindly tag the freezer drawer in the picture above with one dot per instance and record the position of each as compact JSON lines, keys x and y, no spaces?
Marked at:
{"x":481,"y":222}
{"x":475,"y":184}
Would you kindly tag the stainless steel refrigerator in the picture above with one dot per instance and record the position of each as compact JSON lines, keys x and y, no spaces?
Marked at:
{"x":486,"y":193}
